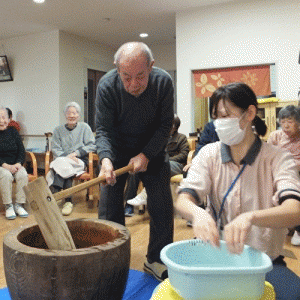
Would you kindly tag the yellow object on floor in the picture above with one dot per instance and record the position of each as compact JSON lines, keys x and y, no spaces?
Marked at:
{"x":164,"y":291}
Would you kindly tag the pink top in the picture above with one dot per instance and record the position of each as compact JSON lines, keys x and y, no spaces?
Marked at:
{"x":269,"y":170}
{"x":279,"y":138}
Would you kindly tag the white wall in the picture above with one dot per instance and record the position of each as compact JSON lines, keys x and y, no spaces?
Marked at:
{"x":33,"y":94}
{"x":236,"y":34}
{"x":165,"y":56}
{"x":49,"y":69}
{"x":76,"y":55}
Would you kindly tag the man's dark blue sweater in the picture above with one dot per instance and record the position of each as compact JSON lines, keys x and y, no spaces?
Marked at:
{"x":128,"y":125}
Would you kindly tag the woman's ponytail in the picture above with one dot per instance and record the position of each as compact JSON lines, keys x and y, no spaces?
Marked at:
{"x":260,"y":126}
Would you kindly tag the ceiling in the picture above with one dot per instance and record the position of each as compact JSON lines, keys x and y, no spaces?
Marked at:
{"x":110,"y":22}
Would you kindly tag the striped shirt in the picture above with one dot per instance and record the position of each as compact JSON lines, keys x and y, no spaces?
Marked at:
{"x":269,"y":171}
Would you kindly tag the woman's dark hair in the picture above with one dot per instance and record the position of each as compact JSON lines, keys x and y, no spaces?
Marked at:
{"x":242,"y":96}
{"x":289,"y":111}
{"x":176,"y":121}
{"x":9,"y":112}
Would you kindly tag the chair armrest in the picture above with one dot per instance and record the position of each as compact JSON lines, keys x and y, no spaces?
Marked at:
{"x":190,"y":157}
{"x":192,"y":143}
{"x":91,"y":165}
{"x":48,"y":158}
{"x":34,"y":163}
{"x":176,"y":178}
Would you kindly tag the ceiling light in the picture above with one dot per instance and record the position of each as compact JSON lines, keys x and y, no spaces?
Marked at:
{"x":39,"y":1}
{"x":143,"y":35}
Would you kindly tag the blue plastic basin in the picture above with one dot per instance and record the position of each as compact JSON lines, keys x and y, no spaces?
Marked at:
{"x":199,"y":271}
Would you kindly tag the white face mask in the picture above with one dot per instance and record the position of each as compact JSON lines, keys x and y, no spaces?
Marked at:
{"x":229,"y":131}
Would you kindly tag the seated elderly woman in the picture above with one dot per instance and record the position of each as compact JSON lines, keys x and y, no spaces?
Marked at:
{"x":288,"y":137}
{"x":12,"y":156}
{"x":71,"y":144}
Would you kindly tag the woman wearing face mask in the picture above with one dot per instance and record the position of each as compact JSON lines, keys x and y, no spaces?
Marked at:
{"x":253,"y":188}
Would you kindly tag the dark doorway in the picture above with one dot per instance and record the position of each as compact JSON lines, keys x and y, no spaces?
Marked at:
{"x":93,"y":79}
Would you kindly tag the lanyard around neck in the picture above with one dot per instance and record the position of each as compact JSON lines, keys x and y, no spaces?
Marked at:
{"x":227,"y":193}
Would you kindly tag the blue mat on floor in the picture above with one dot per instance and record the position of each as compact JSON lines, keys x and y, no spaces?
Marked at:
{"x":4,"y":294}
{"x":139,"y":286}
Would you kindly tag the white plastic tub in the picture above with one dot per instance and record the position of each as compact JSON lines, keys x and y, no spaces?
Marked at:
{"x":199,"y":271}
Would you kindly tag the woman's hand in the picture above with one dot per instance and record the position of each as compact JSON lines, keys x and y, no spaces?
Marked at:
{"x":186,"y":167}
{"x":73,"y":156}
{"x":205,"y":228}
{"x":139,"y":162}
{"x":107,"y":170}
{"x":11,"y":168}
{"x":18,"y":166}
{"x":237,"y":231}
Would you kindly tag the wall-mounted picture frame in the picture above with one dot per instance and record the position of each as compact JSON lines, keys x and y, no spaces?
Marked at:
{"x":5,"y":73}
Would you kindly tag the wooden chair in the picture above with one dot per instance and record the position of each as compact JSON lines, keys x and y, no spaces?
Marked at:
{"x":88,"y":175}
{"x":176,"y":179}
{"x":192,"y":144}
{"x":30,"y":157}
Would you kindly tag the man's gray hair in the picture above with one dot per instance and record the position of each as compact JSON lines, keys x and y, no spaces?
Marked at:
{"x":72,"y":104}
{"x":129,"y":47}
{"x":289,"y":111}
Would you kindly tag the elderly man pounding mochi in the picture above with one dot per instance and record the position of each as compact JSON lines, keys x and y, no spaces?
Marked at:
{"x":134,"y":114}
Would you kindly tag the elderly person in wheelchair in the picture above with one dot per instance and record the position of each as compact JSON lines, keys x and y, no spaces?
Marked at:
{"x":71,"y":144}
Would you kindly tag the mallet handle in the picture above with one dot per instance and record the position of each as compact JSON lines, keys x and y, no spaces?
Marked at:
{"x":88,"y":184}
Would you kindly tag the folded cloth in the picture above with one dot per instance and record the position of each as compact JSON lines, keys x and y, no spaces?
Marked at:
{"x":65,"y":167}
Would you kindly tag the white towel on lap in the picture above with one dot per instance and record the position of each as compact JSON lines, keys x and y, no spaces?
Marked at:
{"x":65,"y":167}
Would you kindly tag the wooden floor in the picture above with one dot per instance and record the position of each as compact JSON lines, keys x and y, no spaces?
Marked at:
{"x":138,"y":226}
